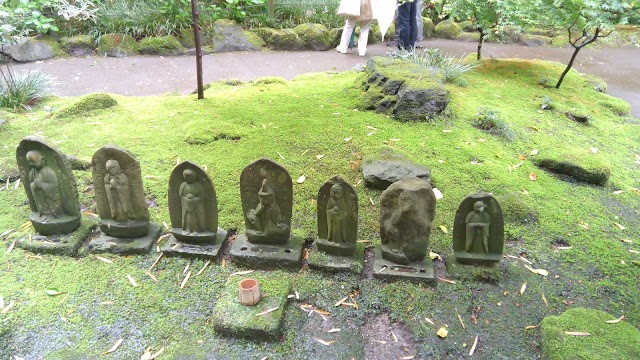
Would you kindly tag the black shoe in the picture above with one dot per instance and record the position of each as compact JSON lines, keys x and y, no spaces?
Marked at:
{"x":392,"y":43}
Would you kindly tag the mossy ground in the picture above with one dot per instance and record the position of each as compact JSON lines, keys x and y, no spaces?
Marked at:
{"x":292,"y":123}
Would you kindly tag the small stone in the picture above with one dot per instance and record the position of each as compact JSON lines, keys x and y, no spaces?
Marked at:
{"x":389,"y":167}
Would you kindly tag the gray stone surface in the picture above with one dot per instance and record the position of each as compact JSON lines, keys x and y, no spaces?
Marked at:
{"x":229,"y":36}
{"x":389,"y":167}
{"x":65,"y":244}
{"x":103,"y":243}
{"x":263,"y":256}
{"x":28,"y":50}
{"x":415,"y":271}
{"x":322,"y":261}
{"x":173,"y":247}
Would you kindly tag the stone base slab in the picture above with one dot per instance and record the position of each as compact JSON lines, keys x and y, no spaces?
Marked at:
{"x":419,"y":272}
{"x":66,"y":244}
{"x":467,"y":258}
{"x":104,"y":243}
{"x":263,"y":256}
{"x":320,"y":260}
{"x":174,"y":247}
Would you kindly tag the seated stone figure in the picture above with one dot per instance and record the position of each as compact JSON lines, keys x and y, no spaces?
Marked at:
{"x":43,"y":183}
{"x":118,"y":192}
{"x":191,"y":198}
{"x":336,"y":216}
{"x":266,"y":218}
{"x":477,"y":229}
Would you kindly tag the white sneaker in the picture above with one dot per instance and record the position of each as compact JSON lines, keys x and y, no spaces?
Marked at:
{"x":363,"y":53}
{"x":341,"y":50}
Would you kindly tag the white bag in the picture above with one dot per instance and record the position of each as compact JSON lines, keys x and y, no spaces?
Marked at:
{"x":349,"y":8}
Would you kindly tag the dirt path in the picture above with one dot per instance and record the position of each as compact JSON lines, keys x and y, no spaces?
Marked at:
{"x":151,"y":75}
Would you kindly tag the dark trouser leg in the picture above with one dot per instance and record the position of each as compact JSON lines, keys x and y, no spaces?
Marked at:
{"x":413,"y":24}
{"x":403,"y":22}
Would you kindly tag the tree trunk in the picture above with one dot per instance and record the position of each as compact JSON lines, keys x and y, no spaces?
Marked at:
{"x":564,"y":73}
{"x":480,"y":42}
{"x":196,"y":36}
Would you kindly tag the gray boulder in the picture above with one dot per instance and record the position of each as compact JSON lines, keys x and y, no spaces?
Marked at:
{"x":228,"y":36}
{"x":388,"y":167}
{"x":28,"y":50}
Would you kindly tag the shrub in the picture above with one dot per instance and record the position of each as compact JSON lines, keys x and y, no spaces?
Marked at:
{"x":547,"y":104}
{"x":24,"y":89}
{"x":84,"y":106}
{"x":450,"y":67}
{"x":491,"y":121}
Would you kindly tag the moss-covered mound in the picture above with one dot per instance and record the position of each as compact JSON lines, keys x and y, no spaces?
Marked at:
{"x":447,"y":29}
{"x":534,"y":40}
{"x":517,"y":208}
{"x":280,"y":39}
{"x":87,"y":104}
{"x":78,"y":45}
{"x":581,"y":166}
{"x":314,"y":36}
{"x":408,"y":92}
{"x":161,"y":45}
{"x":604,"y":341}
{"x":117,"y":45}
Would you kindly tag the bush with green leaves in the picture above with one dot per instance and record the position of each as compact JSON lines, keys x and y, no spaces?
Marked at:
{"x":21,"y":90}
{"x":491,"y":121}
{"x":449,"y":66}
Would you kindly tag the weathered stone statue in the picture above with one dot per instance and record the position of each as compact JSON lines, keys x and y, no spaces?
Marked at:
{"x":122,"y":207}
{"x":50,"y":186}
{"x":478,"y":231}
{"x":266,"y":193}
{"x":193,"y":208}
{"x":337,"y":228}
{"x":53,"y":199}
{"x":407,"y":210}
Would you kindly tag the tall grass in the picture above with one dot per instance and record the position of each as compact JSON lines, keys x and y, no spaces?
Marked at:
{"x":449,"y":66}
{"x":23,"y":89}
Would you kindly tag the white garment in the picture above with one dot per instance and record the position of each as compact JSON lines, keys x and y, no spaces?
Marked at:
{"x":349,"y":25}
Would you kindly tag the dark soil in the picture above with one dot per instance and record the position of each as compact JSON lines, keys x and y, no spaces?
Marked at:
{"x":387,"y":340}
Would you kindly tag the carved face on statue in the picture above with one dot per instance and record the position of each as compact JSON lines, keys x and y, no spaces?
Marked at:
{"x":35,"y":159}
{"x":189,"y":176}
{"x":478,"y":206}
{"x":113,"y":167}
{"x":336,"y":191}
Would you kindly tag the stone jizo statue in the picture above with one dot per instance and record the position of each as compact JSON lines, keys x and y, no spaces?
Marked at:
{"x":336,"y":216}
{"x":44,"y":186}
{"x":118,"y":192}
{"x":477,"y":225}
{"x":191,"y":198}
{"x":267,"y":217}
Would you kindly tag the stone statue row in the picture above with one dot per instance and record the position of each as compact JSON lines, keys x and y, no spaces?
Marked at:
{"x":407,"y":210}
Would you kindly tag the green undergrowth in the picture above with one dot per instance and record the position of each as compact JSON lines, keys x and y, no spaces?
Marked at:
{"x":575,"y":236}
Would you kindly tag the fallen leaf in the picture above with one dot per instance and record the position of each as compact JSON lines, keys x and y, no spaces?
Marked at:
{"x":347,"y":139}
{"x":594,"y":150}
{"x":446,"y":280}
{"x":473,"y":348}
{"x":577,"y":333}
{"x":394,"y":139}
{"x":1,"y":302}
{"x":434,"y":256}
{"x":281,"y":157}
{"x":186,"y":268}
{"x":242,"y":272}
{"x":619,"y":226}
{"x":184,"y":282}
{"x":534,"y":152}
{"x":322,"y":312}
{"x":132,"y":280}
{"x":409,"y":357}
{"x":544,"y":298}
{"x":523,"y":288}
{"x":444,"y":229}
{"x":334,"y":330}
{"x":156,"y":262}
{"x":53,"y":292}
{"x":341,"y":301}
{"x":267,"y":311}
{"x":166,"y":226}
{"x":7,"y":308}
{"x":533,"y":176}
{"x":371,"y":133}
{"x":395,"y":338}
{"x":537,"y":271}
{"x":442,"y":332}
{"x":447,"y":131}
{"x":522,"y":157}
{"x":531,"y":327}
{"x":437,"y":193}
{"x":301,"y":179}
{"x":429,"y":321}
{"x":155,"y":355}
{"x":462,"y":323}
{"x":324,"y":342}
{"x":371,"y":201}
{"x":203,"y":267}
{"x":634,"y":251}
{"x":618,"y":192}
{"x":115,"y":346}
{"x":11,"y":246}
{"x":146,"y":355}
{"x":105,"y":260}
{"x":628,"y":241}
{"x":106,"y":303}
{"x":319,"y":157}
{"x":380,"y":341}
{"x":616,"y":320}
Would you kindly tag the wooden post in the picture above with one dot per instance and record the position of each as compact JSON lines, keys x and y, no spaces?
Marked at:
{"x":196,"y":35}
{"x":249,"y":292}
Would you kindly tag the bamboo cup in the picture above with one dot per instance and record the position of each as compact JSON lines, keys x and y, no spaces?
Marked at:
{"x":249,"y":292}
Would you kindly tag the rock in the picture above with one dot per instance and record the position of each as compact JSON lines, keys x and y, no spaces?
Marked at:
{"x":469,"y":36}
{"x":581,"y":167}
{"x":467,"y":26}
{"x":406,"y":91}
{"x":161,"y":45}
{"x":508,"y":34}
{"x":605,"y":341}
{"x":314,"y":36}
{"x":228,"y":36}
{"x":117,"y":45}
{"x":388,"y":167}
{"x":280,"y":39}
{"x":534,"y":40}
{"x":428,"y":28}
{"x":79,"y":45}
{"x":187,"y":38}
{"x":28,"y":50}
{"x":447,"y":29}
{"x":596,"y":82}
{"x":517,"y":208}
{"x":77,"y":163}
{"x":87,"y":104}
{"x":579,"y":117}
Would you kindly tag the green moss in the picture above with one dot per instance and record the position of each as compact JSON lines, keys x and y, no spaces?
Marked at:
{"x":186,"y":37}
{"x":87,"y":104}
{"x":280,"y":39}
{"x":517,"y":208}
{"x":266,"y":80}
{"x":468,"y":36}
{"x":605,"y":341}
{"x":53,"y":43}
{"x":447,"y":29}
{"x":78,"y":41}
{"x":117,"y":45}
{"x":254,"y":39}
{"x":161,"y":45}
{"x":314,"y":36}
{"x":428,"y":28}
{"x":473,"y":272}
{"x":203,"y":135}
{"x":534,"y":40}
{"x":617,"y":106}
{"x":582,"y":166}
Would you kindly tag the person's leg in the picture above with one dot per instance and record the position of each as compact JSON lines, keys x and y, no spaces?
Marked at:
{"x":364,"y":37}
{"x":349,"y":25}
{"x":413,"y":26}
{"x":420,"y":26}
{"x":403,"y":25}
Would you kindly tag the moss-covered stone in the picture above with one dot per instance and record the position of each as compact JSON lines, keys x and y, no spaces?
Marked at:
{"x":605,"y":341}
{"x":87,"y":104}
{"x":596,"y":82}
{"x":117,"y":45}
{"x":66,"y":244}
{"x":534,"y":40}
{"x":428,"y":28}
{"x":467,"y":26}
{"x":266,"y":80}
{"x":560,"y":40}
{"x":78,"y":45}
{"x":469,"y":36}
{"x":186,"y":37}
{"x":161,"y":45}
{"x":53,"y":43}
{"x":489,"y":273}
{"x":507,"y":34}
{"x":280,"y":39}
{"x":617,"y":106}
{"x":314,"y":36}
{"x":254,"y":39}
{"x":447,"y":29}
{"x":517,"y":208}
{"x":234,"y":319}
{"x":586,"y":167}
